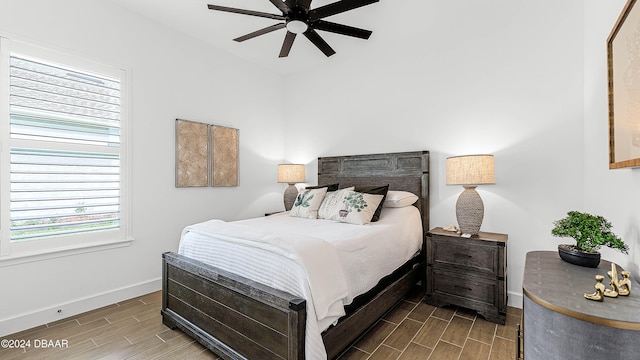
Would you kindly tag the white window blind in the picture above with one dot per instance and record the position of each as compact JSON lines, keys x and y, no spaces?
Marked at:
{"x":65,"y":166}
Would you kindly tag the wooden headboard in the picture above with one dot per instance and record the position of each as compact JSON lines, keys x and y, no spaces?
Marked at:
{"x":407,"y":171}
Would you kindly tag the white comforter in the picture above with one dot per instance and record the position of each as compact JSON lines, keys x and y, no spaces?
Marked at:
{"x":328,"y":263}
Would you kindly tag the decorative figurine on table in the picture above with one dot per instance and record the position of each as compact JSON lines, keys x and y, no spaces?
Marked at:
{"x":613,"y":275}
{"x":624,"y":285}
{"x":598,"y":295}
{"x":619,"y":287}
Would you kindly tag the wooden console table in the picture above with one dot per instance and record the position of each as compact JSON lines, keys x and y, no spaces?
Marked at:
{"x":559,"y":323}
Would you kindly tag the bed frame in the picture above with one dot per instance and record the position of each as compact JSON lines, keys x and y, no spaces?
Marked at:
{"x":238,"y":318}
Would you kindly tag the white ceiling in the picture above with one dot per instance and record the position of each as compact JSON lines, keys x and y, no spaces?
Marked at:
{"x":218,"y":28}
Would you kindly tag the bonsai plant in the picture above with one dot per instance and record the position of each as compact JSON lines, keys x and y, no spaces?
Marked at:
{"x":590,"y":232}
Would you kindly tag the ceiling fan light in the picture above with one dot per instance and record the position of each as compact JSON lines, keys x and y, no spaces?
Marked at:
{"x":297,"y":26}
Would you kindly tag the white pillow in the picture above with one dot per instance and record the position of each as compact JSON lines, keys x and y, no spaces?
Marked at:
{"x":358,"y":208}
{"x":308,"y":202}
{"x":399,"y":199}
{"x":332,"y":204}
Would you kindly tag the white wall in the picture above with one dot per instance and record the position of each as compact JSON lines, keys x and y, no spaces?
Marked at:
{"x":500,"y":76}
{"x":172,"y":77}
{"x":614,"y":194}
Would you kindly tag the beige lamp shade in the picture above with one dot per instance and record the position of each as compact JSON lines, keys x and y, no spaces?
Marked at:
{"x":470,"y":171}
{"x":290,"y":173}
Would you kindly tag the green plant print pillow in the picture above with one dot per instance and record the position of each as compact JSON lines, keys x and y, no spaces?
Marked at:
{"x":308,"y":202}
{"x":358,"y":208}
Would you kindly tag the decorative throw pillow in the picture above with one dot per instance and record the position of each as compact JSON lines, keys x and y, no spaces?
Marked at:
{"x":358,"y":208}
{"x":308,"y":202}
{"x":375,"y":190}
{"x":397,"y":199}
{"x":332,"y":204}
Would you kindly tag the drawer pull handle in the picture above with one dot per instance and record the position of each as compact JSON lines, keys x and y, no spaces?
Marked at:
{"x":462,"y":255}
{"x":462,"y":287}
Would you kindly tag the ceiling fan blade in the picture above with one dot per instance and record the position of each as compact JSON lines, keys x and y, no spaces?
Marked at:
{"x":246,"y":12}
{"x":286,"y":45}
{"x":319,"y":42}
{"x":285,"y":8}
{"x":341,"y":29}
{"x":266,"y":30}
{"x":305,"y":4}
{"x":337,"y":7}
{"x":291,"y":3}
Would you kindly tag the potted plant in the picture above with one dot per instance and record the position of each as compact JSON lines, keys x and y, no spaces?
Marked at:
{"x":590,"y":232}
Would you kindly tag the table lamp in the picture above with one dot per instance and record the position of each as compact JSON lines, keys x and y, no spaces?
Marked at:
{"x":290,"y":174}
{"x":470,"y":171}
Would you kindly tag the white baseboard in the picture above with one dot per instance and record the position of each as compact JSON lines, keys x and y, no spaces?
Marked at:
{"x":50,"y":314}
{"x":515,"y":299}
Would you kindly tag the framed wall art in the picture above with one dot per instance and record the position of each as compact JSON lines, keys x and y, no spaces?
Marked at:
{"x":224,"y":156}
{"x":206,"y":155}
{"x":623,"y":63}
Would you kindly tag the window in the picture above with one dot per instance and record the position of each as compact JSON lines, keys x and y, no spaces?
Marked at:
{"x":64,"y":186}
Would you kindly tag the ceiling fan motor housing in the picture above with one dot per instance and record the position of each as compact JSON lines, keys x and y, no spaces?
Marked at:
{"x":299,"y":18}
{"x":297,"y":26}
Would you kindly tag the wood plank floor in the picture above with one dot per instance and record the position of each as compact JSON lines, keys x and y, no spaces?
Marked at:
{"x":133,"y":329}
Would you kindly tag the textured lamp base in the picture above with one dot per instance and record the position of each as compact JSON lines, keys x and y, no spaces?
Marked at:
{"x":290,"y":195}
{"x":469,"y":211}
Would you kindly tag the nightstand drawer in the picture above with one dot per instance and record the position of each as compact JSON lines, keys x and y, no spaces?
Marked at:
{"x":468,"y":288}
{"x":461,"y":253}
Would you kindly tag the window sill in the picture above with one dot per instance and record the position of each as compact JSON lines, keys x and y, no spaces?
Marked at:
{"x":23,"y":258}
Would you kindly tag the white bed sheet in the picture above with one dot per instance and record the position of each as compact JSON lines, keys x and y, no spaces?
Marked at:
{"x":367,"y":254}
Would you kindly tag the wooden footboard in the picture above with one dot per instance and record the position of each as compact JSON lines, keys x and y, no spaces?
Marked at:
{"x":241,"y":319}
{"x":235,"y":317}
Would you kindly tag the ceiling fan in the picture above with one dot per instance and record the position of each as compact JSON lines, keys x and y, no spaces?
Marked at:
{"x":299,"y":18}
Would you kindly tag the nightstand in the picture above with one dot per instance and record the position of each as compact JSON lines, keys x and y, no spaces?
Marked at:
{"x":468,"y":272}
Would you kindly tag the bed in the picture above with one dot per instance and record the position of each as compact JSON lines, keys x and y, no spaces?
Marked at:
{"x":239,"y":317}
